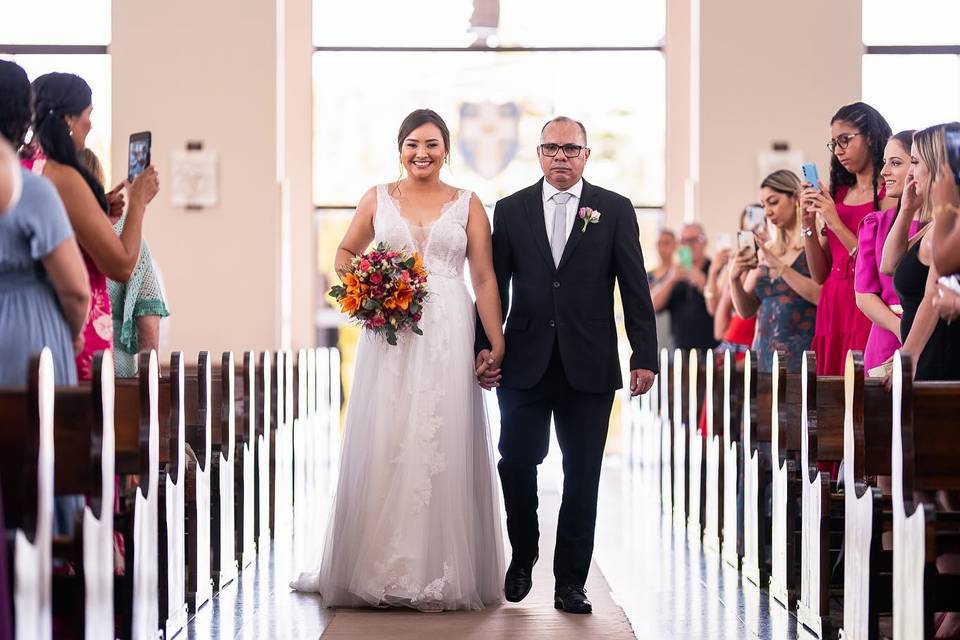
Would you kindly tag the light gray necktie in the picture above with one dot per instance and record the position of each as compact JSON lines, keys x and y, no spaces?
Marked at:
{"x":558,"y":239}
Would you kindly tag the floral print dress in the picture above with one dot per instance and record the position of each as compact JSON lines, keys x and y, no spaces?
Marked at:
{"x":98,"y":332}
{"x":785,"y":321}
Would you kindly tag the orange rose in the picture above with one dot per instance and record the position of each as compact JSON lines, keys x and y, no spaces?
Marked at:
{"x":350,"y":281}
{"x":390,"y":302}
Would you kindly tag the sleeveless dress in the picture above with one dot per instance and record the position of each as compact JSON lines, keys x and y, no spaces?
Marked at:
{"x":785,"y":320}
{"x":841,"y":325}
{"x":415,"y":520}
{"x":940,"y":359}
{"x":98,"y":331}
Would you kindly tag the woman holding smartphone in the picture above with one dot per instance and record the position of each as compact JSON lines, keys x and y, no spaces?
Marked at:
{"x":859,"y":135}
{"x":773,"y":281}
{"x":62,"y":107}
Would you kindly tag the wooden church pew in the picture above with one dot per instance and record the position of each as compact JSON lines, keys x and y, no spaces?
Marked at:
{"x":198,"y":396}
{"x":244,"y":449}
{"x":822,"y":441}
{"x":27,"y":476}
{"x":281,"y":449}
{"x":695,"y":393}
{"x":223,"y":445}
{"x":84,"y":465}
{"x":713,"y":445}
{"x":733,"y":463}
{"x":867,"y":429}
{"x":925,"y":452}
{"x":681,"y":441}
{"x":785,"y":454}
{"x":756,"y":471}
{"x":263,"y":420}
{"x":137,"y":440}
{"x":666,"y":432}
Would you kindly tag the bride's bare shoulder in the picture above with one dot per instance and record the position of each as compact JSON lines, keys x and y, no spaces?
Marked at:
{"x":368,"y":202}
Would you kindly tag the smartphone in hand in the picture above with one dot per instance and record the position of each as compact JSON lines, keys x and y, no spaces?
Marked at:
{"x":685,"y":257}
{"x":810,"y":174}
{"x":746,"y":240}
{"x":139,"y":154}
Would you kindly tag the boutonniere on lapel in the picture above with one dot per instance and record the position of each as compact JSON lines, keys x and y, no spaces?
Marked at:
{"x":589,"y":216}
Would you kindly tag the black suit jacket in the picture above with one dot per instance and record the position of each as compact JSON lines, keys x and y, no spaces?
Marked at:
{"x":571,"y":303}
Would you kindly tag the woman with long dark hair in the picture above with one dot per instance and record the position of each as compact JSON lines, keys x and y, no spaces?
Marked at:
{"x":43,"y":286}
{"x":62,"y":106}
{"x":858,"y":137}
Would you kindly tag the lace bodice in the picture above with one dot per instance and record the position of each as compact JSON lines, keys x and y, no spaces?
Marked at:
{"x":443,"y":244}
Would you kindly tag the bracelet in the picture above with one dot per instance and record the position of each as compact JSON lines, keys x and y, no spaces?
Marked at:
{"x":853,"y":252}
{"x":806,"y":232}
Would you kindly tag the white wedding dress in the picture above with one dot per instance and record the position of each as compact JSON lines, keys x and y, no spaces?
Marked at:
{"x":415,"y":521}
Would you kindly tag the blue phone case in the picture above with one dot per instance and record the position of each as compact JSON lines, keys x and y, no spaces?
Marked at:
{"x":810,"y":174}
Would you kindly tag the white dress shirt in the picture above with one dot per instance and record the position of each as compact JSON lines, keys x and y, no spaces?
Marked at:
{"x":573,"y":205}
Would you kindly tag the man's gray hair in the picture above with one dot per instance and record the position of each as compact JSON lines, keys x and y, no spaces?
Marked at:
{"x":569,"y":120}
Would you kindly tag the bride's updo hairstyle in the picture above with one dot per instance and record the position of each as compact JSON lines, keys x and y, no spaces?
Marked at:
{"x":417,"y":119}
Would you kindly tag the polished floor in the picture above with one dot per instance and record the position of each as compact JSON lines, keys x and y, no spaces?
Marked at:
{"x":668,"y":589}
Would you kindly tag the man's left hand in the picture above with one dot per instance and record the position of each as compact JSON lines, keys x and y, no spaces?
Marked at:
{"x":640,"y":381}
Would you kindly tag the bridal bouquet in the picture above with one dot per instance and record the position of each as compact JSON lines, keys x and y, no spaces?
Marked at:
{"x":384,"y":291}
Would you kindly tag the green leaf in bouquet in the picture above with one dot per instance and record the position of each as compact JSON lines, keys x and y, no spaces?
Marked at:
{"x":337,"y":291}
{"x":410,"y":262}
{"x":369,"y":304}
{"x":415,"y":308}
{"x":417,"y":330}
{"x":391,"y":336}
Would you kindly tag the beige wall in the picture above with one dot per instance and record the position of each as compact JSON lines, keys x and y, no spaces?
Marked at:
{"x":767,"y":71}
{"x":209,"y":71}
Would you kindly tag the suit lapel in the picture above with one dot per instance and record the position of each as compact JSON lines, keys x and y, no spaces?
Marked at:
{"x":576,"y":233}
{"x":533,"y":203}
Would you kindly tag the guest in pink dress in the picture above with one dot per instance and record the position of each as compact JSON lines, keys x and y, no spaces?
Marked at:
{"x":876,"y":296}
{"x":859,"y":134}
{"x":62,"y":106}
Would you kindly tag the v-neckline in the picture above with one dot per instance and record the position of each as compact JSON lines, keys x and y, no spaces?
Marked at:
{"x":408,"y":225}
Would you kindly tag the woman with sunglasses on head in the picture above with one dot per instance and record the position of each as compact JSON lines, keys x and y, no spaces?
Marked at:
{"x":859,"y":135}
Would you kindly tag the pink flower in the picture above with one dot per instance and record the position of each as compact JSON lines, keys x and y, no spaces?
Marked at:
{"x":405,"y":276}
{"x":377,"y":322}
{"x":376,"y":278}
{"x":364,"y":265}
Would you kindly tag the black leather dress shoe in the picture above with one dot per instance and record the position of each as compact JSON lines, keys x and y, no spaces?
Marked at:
{"x":572,"y":599}
{"x":519,"y":581}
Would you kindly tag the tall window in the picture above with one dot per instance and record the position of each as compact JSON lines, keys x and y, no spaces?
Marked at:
{"x":496,"y":70}
{"x":911,"y":68}
{"x":64,"y":35}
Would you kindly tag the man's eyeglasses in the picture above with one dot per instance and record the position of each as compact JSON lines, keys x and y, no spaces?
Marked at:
{"x":842,"y":141}
{"x":570,"y":150}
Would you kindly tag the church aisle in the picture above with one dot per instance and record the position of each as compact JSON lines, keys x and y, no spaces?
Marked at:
{"x":646,"y":582}
{"x":668,"y":589}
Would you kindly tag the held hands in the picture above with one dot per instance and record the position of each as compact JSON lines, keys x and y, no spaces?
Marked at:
{"x":144,"y":187}
{"x":819,"y":202}
{"x":488,"y":368}
{"x":720,"y":260}
{"x":640,"y":381}
{"x":745,"y":261}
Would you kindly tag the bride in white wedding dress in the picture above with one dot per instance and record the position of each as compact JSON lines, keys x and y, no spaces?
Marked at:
{"x":415,"y":521}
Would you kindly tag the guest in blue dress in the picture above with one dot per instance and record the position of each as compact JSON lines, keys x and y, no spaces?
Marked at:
{"x":43,"y":284}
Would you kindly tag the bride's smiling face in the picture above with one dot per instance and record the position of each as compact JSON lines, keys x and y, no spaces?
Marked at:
{"x":423,"y":152}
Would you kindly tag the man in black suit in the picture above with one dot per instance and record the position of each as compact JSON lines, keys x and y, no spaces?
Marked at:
{"x":560,"y":244}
